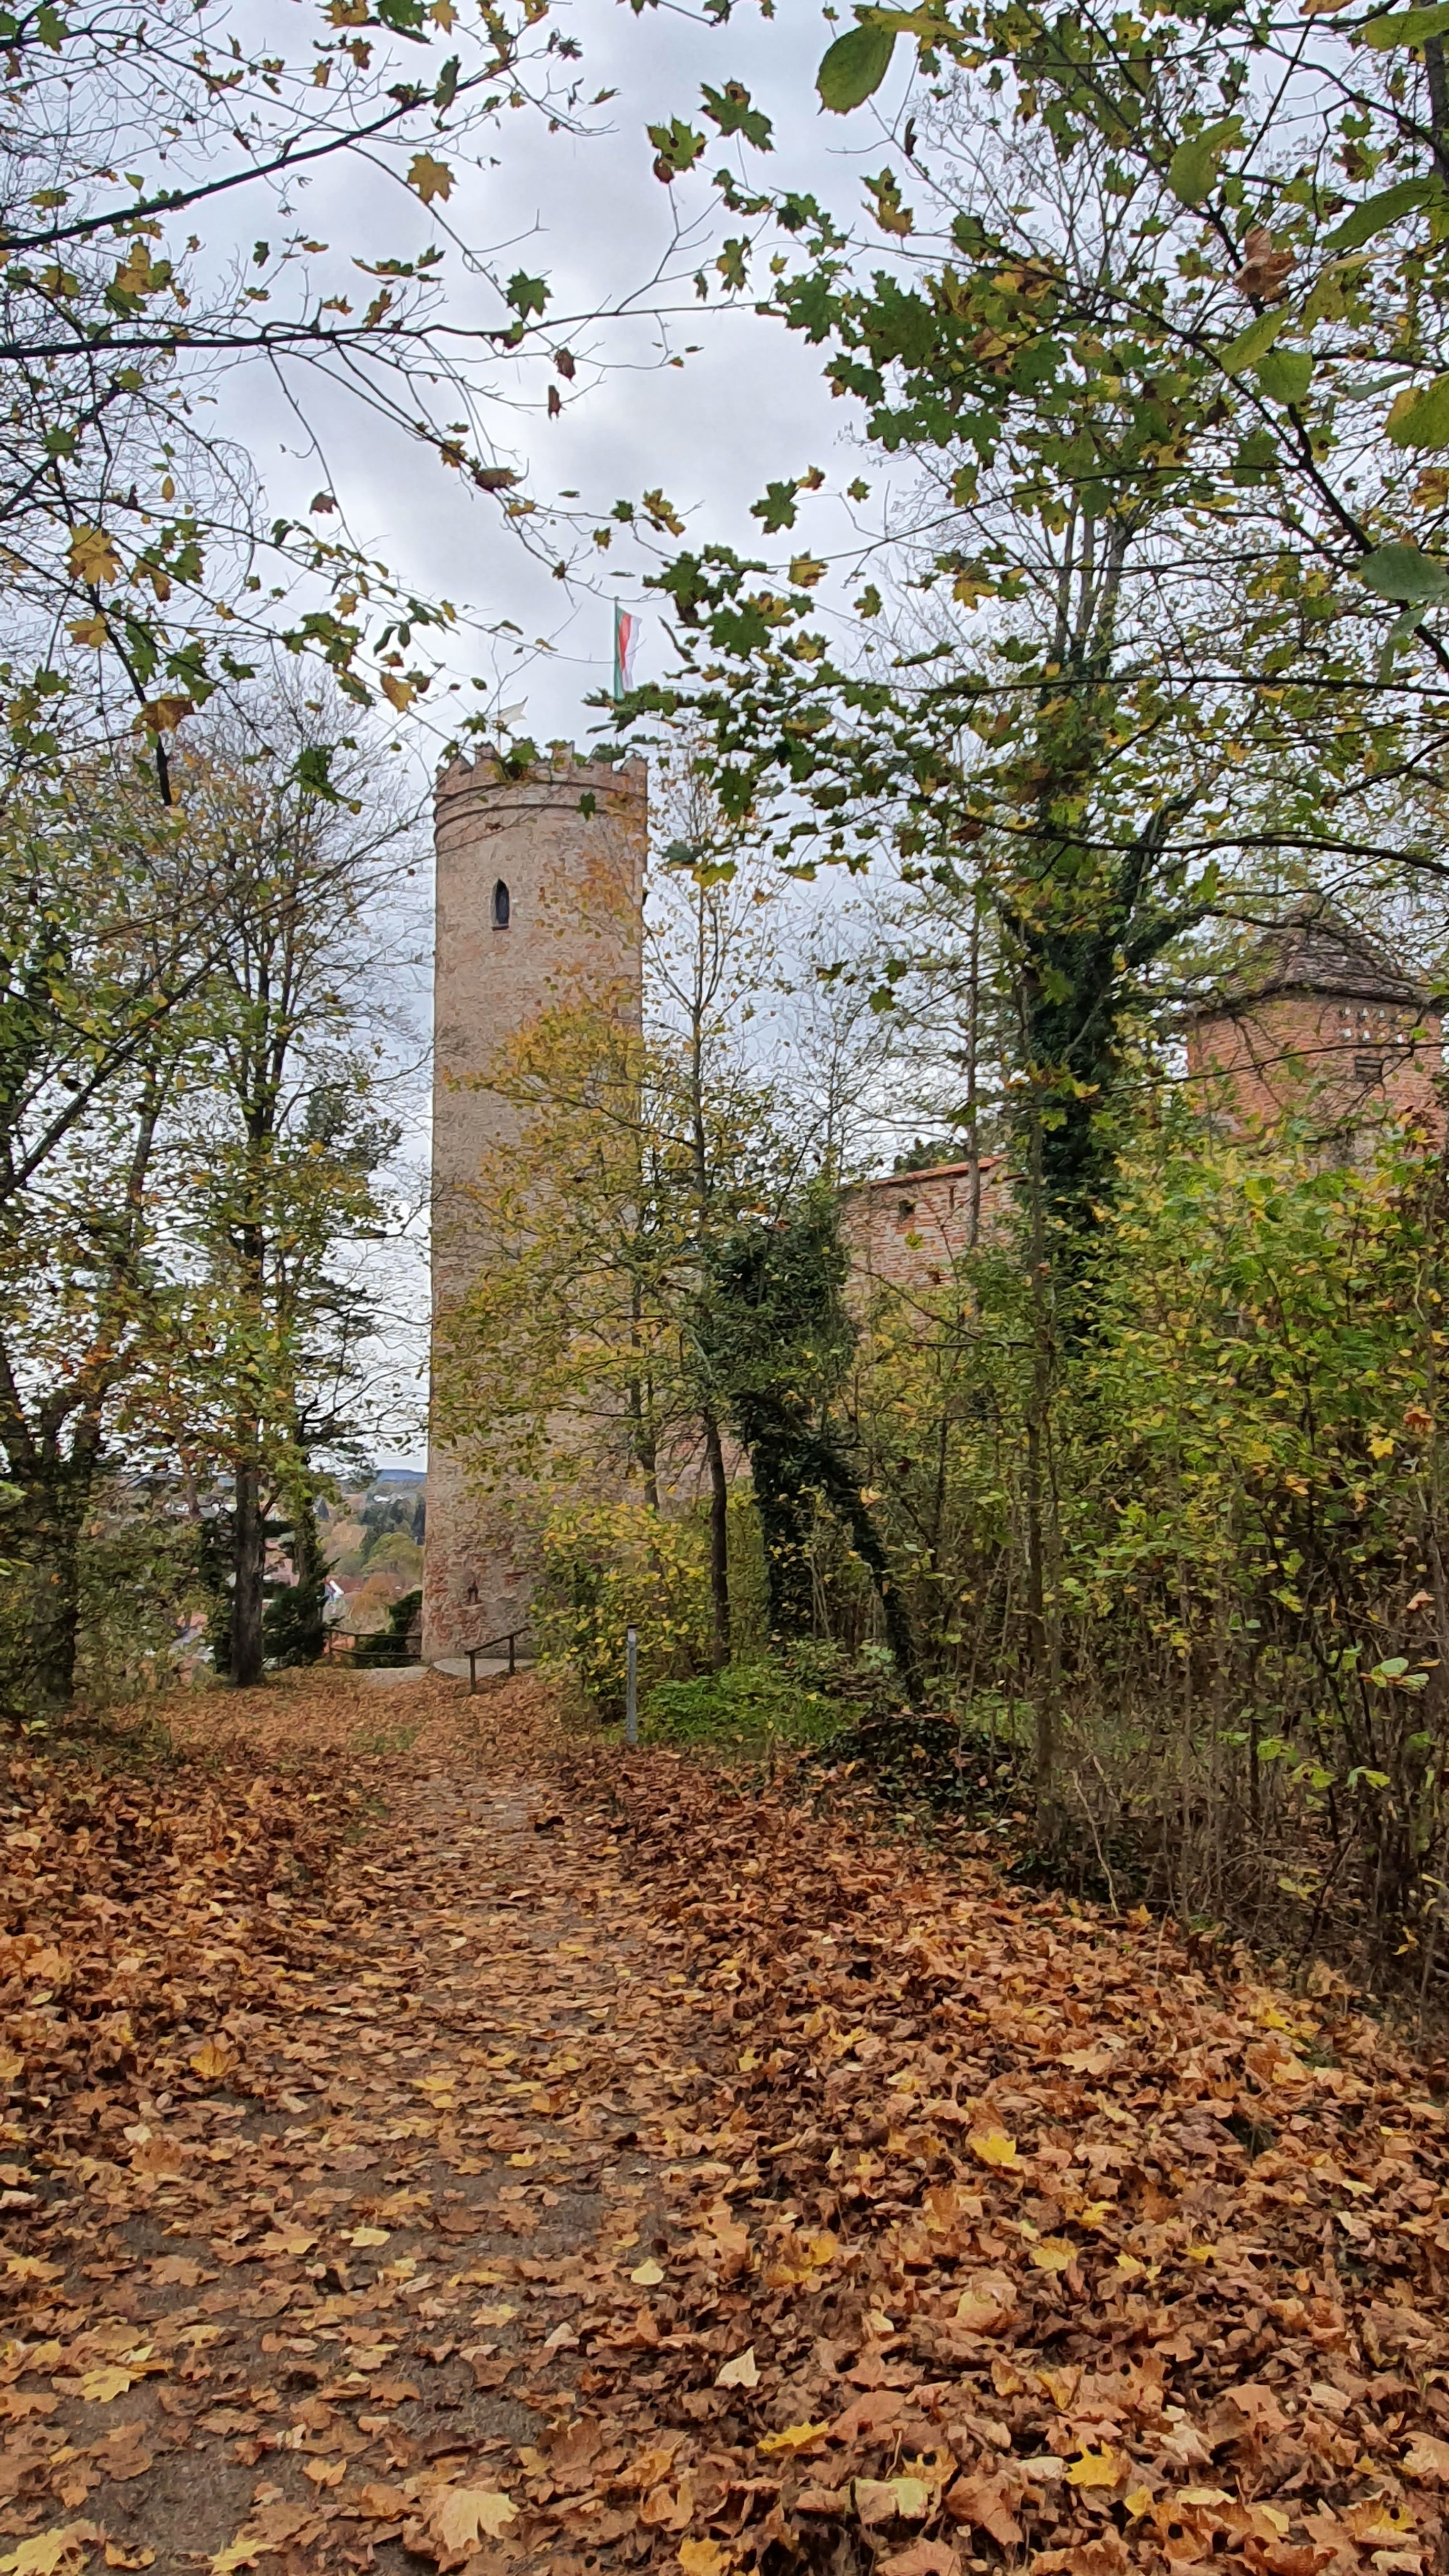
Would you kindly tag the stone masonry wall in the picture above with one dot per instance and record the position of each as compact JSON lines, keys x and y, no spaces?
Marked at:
{"x":574,"y":904}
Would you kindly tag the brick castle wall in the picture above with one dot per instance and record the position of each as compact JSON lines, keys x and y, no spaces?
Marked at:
{"x":1342,"y":1062}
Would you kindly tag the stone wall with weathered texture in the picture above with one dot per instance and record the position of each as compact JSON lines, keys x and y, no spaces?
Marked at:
{"x":575,"y":883}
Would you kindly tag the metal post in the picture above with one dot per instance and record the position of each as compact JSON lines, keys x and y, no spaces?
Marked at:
{"x":472,"y":1670}
{"x":631,"y":1685}
{"x":512,"y":1634}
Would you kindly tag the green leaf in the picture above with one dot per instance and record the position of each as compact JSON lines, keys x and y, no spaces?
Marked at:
{"x":1285,"y":375}
{"x":1401,"y":572}
{"x":1193,"y":170}
{"x":1377,"y":213}
{"x":733,"y":112}
{"x":678,"y":147}
{"x":526,"y":294}
{"x":1422,"y":420}
{"x":854,"y":68}
{"x":1251,"y":346}
{"x":1406,"y":27}
{"x":314,"y":773}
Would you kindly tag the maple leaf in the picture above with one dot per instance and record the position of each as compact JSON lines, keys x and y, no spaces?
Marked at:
{"x":92,"y":556}
{"x":88,"y":630}
{"x":704,"y":2558}
{"x":1054,"y":2254}
{"x":101,"y":2387}
{"x":46,"y":2550}
{"x":430,"y":178}
{"x":213,"y":2059}
{"x":398,"y":692}
{"x":890,"y":2499}
{"x":983,"y":2502}
{"x":795,"y":2437}
{"x":993,"y":2147}
{"x":923,"y":2558}
{"x":458,"y":2517}
{"x":742,"y":2372}
{"x":1101,"y":2468}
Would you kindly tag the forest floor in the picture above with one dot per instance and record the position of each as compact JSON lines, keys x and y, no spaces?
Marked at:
{"x":434,"y":2140}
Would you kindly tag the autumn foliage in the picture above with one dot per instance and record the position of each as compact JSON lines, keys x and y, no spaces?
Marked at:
{"x":546,"y":2159}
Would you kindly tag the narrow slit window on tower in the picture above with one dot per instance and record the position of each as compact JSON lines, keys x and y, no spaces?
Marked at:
{"x":501,"y":906}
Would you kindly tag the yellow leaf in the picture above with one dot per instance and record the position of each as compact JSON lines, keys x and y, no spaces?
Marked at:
{"x":363,"y":2236}
{"x":742,"y":2372}
{"x":805,"y":571}
{"x":796,"y":2437}
{"x":704,"y":2558}
{"x":647,"y":2275}
{"x":430,"y":178}
{"x":398,"y":693}
{"x":1054,"y":2254}
{"x":99,"y":2387}
{"x":1139,"y":2500}
{"x":92,"y":555}
{"x":212,"y":2059}
{"x":1204,"y":2496}
{"x":88,"y":630}
{"x":288,"y":2240}
{"x":1096,"y":2468}
{"x":993,"y":2147}
{"x":240,"y":2552}
{"x":46,"y":2550}
{"x":459,"y":2516}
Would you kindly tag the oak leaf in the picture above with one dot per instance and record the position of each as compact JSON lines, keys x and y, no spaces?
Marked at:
{"x":213,"y":2059}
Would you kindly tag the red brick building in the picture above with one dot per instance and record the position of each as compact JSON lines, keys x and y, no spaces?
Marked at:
{"x":1320,"y":1026}
{"x":906,"y":1229}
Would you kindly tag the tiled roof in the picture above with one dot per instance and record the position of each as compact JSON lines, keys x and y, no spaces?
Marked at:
{"x":1313,"y":951}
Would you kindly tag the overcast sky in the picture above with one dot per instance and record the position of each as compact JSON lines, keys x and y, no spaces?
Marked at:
{"x":588,"y":213}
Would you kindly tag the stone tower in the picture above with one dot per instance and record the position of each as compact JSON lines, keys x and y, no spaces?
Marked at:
{"x":1319,"y":1025}
{"x":540,"y":885}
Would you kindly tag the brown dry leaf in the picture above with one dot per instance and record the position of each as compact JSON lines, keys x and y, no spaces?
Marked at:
{"x":1427,"y":2457}
{"x":923,"y":2558}
{"x":459,"y":2517}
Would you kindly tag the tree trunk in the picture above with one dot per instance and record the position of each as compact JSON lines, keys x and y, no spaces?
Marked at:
{"x":250,"y":1565}
{"x":719,"y":1543}
{"x":50,"y":1552}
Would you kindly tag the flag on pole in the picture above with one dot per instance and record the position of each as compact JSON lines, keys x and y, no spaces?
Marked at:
{"x":626,"y":636}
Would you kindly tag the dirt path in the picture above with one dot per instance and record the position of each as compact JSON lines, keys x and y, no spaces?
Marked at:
{"x":431,"y":2141}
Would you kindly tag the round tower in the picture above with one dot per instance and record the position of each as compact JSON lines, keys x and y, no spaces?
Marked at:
{"x":1320,"y":1025}
{"x":539,"y":897}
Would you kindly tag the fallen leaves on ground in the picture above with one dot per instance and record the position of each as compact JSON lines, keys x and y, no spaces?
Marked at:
{"x":705,"y":2185}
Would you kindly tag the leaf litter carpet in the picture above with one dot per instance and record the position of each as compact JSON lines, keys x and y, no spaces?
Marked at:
{"x":433,"y":2142}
